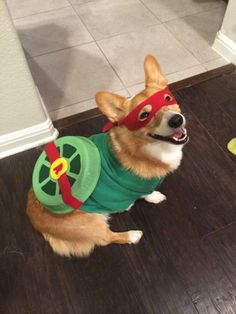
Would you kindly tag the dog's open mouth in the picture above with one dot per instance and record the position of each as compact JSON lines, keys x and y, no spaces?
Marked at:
{"x":179,"y":137}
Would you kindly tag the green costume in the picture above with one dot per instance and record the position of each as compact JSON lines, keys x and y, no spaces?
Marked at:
{"x":117,"y":188}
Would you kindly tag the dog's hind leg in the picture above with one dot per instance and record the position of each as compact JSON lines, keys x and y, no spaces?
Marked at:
{"x":76,"y":233}
{"x":127,"y":237}
{"x":69,"y":248}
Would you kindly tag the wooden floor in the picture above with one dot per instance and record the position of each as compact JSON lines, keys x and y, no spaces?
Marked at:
{"x":186,"y":261}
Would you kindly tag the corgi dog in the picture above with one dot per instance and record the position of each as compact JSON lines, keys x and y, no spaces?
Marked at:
{"x":143,"y":142}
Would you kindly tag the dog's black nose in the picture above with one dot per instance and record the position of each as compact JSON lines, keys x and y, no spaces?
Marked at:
{"x":176,"y":121}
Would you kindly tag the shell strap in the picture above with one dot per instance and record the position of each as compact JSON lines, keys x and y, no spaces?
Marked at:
{"x":63,"y":181}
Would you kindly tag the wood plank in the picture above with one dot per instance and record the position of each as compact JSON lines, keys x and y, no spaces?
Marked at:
{"x":219,"y":117}
{"x":217,"y":90}
{"x":224,"y":245}
{"x":174,"y":237}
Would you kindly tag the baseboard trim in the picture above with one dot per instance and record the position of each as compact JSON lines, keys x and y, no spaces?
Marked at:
{"x":224,"y":46}
{"x":28,"y":138}
{"x":196,"y":79}
{"x":19,"y":141}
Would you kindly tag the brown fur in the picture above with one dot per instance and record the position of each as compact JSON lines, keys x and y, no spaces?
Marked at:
{"x":79,"y":232}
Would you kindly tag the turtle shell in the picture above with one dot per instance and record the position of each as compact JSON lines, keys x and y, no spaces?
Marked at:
{"x":83,"y":170}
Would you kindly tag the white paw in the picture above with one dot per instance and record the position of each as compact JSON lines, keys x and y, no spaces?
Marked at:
{"x":135,"y":236}
{"x":155,"y":197}
{"x":127,"y":209}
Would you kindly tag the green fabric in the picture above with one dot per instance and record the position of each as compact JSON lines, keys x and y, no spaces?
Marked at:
{"x":117,"y":188}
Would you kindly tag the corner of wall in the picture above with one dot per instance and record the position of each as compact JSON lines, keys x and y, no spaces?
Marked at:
{"x":225,"y":47}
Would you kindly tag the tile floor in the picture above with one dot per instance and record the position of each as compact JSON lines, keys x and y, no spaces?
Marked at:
{"x":78,"y":47}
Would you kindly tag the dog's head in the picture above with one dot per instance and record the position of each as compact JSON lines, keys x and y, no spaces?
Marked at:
{"x":153,"y":115}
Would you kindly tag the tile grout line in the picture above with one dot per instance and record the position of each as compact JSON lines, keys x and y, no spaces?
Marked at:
{"x":150,"y":11}
{"x":171,"y":73}
{"x":176,"y":72}
{"x":117,"y":91}
{"x":41,"y":12}
{"x":61,"y":49}
{"x":93,"y":39}
{"x":97,"y":44}
{"x":186,"y":47}
{"x":122,"y":83}
{"x":87,"y":99}
{"x":182,"y":17}
{"x":138,"y":1}
{"x":146,"y":27}
{"x":91,"y":1}
{"x":117,"y":34}
{"x":88,"y":1}
{"x":183,"y":45}
{"x":127,"y":32}
{"x":220,"y":58}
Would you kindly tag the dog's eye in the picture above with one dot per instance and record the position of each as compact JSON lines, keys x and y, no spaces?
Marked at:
{"x":167,"y":97}
{"x":143,"y":116}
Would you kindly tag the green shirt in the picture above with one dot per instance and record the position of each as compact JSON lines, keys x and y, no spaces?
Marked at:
{"x":117,"y":187}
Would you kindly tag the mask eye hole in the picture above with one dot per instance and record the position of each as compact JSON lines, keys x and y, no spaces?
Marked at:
{"x":145,"y":112}
{"x":143,"y":116}
{"x":168,"y":97}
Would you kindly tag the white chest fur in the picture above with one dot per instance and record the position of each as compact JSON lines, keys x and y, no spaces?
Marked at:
{"x":167,"y":153}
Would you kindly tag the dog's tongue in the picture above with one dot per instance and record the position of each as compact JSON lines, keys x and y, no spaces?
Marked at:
{"x":178,"y":134}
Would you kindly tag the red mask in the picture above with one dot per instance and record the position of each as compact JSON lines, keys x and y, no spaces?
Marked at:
{"x":134,"y":120}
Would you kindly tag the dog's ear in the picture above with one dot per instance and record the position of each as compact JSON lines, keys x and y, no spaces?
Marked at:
{"x":112,"y":105}
{"x":153,"y":73}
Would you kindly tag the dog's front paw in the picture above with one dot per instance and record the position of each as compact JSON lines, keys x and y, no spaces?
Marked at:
{"x":155,"y":197}
{"x":134,"y":236}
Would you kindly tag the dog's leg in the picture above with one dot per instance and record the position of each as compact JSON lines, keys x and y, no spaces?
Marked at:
{"x":100,"y":236}
{"x":69,"y":248}
{"x":155,"y":197}
{"x":127,"y":237}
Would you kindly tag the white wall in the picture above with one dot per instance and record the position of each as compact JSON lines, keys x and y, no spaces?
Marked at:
{"x":24,"y":122}
{"x":229,"y":22}
{"x":225,"y":42}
